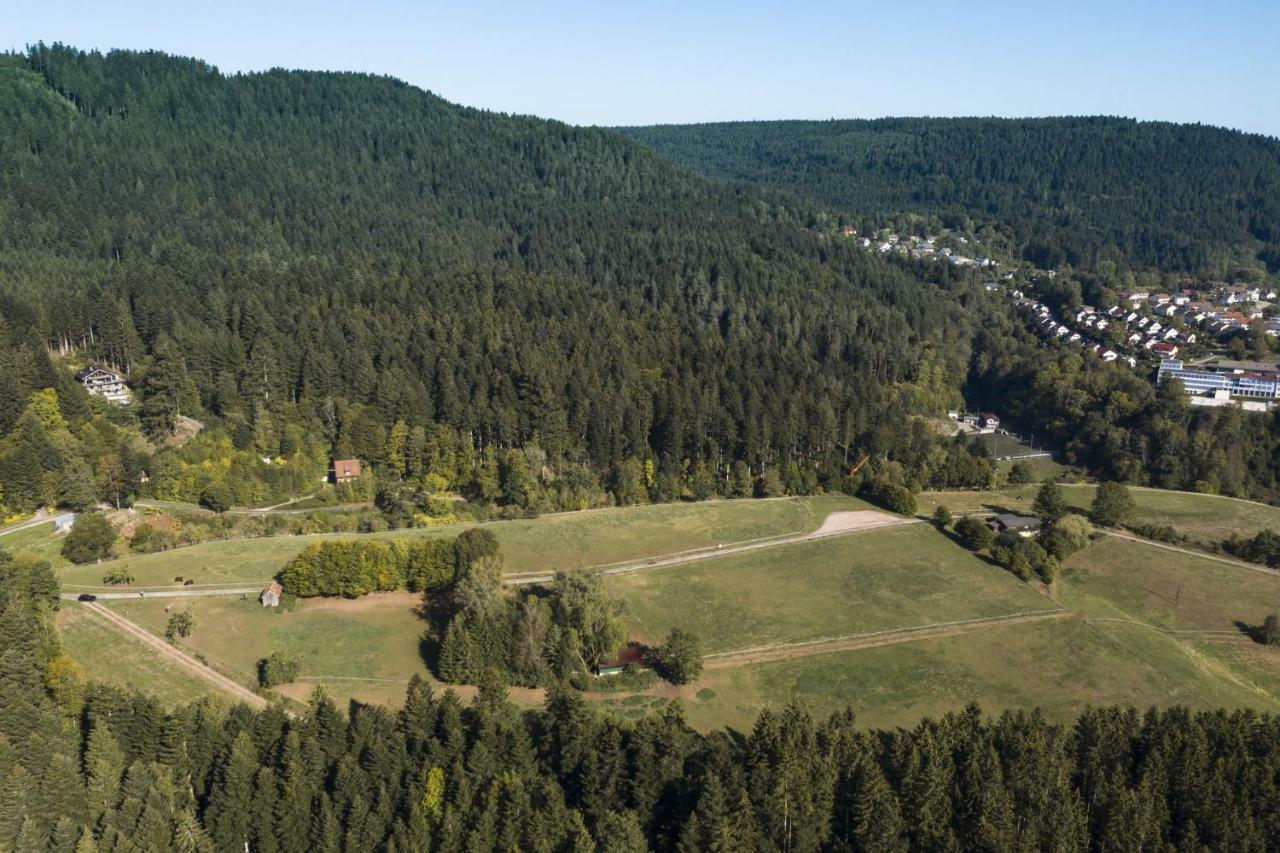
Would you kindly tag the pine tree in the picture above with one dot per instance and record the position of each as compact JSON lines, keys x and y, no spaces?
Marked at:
{"x":457,"y":653}
{"x":103,"y":769}
{"x":231,"y":798}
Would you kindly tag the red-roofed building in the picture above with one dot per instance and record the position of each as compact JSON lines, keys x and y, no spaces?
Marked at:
{"x":345,"y":470}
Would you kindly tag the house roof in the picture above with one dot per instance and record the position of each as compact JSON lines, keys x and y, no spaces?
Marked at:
{"x":346,"y":467}
{"x":273,"y":588}
{"x":1010,"y":521}
{"x":90,"y":369}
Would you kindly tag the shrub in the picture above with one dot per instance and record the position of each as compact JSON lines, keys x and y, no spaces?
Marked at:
{"x":942,"y":516}
{"x":890,"y":495}
{"x":473,"y":544}
{"x":1023,"y":556}
{"x":278,"y":668}
{"x":1066,"y":536}
{"x":217,"y":497}
{"x":148,"y":539}
{"x":1019,"y":474}
{"x":1269,"y":633}
{"x":118,"y":576}
{"x":974,"y":533}
{"x":181,"y":624}
{"x":90,"y":539}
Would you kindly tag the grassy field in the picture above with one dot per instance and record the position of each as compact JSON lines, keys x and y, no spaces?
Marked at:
{"x":567,"y":540}
{"x":1208,"y":517}
{"x":893,"y":578}
{"x":39,"y":541}
{"x":114,"y":658}
{"x":1057,"y":665}
{"x":368,"y":647}
{"x":1165,"y":588}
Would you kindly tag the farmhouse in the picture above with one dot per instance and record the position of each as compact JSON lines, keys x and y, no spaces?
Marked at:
{"x":101,"y":382}
{"x":345,"y":470}
{"x":1020,"y":524}
{"x":270,"y":596}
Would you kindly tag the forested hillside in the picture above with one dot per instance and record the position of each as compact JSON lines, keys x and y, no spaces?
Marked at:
{"x":1184,"y":198}
{"x":427,"y":287}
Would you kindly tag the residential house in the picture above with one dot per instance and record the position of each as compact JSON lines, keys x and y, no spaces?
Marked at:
{"x":1022,"y":525}
{"x":345,"y":470}
{"x":101,"y":382}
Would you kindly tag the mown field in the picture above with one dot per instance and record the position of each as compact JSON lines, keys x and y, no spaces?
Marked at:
{"x":368,"y":647}
{"x":111,"y":657}
{"x":567,"y":540}
{"x":875,"y":580}
{"x":39,"y":541}
{"x":1118,"y":644}
{"x":1147,"y":626}
{"x":1057,"y":665}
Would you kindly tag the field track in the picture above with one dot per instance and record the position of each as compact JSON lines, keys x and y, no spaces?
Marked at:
{"x":835,"y":524}
{"x":873,"y":639}
{"x":181,"y":658}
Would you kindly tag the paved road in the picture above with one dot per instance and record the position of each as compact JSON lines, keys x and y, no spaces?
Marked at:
{"x":863,"y":522}
{"x":181,"y":658}
{"x":167,"y":593}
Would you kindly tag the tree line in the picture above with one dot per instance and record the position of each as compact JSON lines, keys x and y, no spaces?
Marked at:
{"x":354,"y":567}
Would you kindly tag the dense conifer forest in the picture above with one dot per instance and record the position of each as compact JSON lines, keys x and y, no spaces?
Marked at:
{"x":337,"y":260}
{"x":1176,"y":197}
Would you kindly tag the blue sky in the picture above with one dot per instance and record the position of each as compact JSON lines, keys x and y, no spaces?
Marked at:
{"x":613,"y":62}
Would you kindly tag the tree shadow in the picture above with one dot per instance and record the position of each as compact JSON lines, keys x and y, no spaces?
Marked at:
{"x":1253,"y":632}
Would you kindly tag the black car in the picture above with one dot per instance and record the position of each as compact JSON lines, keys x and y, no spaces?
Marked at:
{"x":84,"y":596}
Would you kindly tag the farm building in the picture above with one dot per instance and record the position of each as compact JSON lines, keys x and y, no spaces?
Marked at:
{"x":1022,"y":525}
{"x":270,"y":596}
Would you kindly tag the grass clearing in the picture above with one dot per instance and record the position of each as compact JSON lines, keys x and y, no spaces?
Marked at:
{"x":1058,"y":665}
{"x":1207,"y":517}
{"x":565,"y":540}
{"x":1172,"y":590}
{"x":111,"y":657}
{"x":876,"y":580}
{"x":368,"y":648}
{"x":39,"y":541}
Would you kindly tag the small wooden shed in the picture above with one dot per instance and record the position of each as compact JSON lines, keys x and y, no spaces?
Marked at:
{"x":271,"y":595}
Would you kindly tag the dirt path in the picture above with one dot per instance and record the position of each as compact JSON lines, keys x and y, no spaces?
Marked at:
{"x":180,"y":658}
{"x":835,"y":524}
{"x":873,"y":639}
{"x":1239,"y":564}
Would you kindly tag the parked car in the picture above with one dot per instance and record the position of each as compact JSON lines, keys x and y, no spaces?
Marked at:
{"x":84,"y":596}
